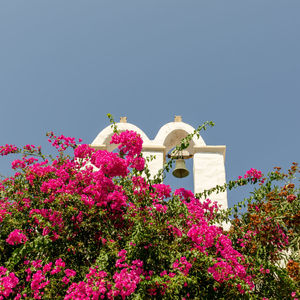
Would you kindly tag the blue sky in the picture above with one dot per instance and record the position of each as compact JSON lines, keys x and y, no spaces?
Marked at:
{"x":65,"y":64}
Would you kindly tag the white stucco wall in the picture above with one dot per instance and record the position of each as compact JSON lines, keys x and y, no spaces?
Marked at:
{"x":156,"y":164}
{"x":209,"y":171}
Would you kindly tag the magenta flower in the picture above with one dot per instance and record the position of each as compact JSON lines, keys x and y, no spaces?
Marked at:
{"x":8,"y":282}
{"x":16,"y":237}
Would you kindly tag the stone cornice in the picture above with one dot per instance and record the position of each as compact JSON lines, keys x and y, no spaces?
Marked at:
{"x":210,"y":149}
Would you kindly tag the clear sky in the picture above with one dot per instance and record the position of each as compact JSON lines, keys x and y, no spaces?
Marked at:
{"x":65,"y":64}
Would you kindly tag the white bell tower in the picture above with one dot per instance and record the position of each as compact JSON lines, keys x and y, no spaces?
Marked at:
{"x":208,"y":161}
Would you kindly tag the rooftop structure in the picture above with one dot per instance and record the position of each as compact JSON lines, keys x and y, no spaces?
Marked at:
{"x":208,"y":161}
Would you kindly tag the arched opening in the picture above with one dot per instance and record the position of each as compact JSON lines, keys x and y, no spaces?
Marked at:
{"x":176,"y":183}
{"x":172,"y":139}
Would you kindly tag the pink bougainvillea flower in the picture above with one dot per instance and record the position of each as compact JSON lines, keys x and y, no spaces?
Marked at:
{"x":16,"y":237}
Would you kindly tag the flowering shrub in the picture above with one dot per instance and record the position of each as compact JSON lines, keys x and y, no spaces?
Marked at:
{"x":90,"y":226}
{"x":268,"y":234}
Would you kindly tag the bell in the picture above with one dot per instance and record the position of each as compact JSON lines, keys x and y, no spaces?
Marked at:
{"x":180,"y":170}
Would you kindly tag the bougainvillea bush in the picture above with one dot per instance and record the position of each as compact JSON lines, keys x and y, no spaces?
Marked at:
{"x":93,"y":225}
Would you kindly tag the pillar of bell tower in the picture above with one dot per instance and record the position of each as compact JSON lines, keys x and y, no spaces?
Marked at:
{"x":209,"y":171}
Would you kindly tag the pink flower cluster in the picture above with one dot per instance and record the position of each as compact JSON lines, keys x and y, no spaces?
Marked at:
{"x":30,"y":148}
{"x":94,"y":187}
{"x":22,"y":163}
{"x":294,"y":294}
{"x":161,"y":191}
{"x":48,"y":215}
{"x":182,"y":265}
{"x":165,"y":273}
{"x":204,"y":235}
{"x":198,"y":210}
{"x":69,"y":274}
{"x":8,"y":149}
{"x":254,"y":175}
{"x":83,"y":151}
{"x":130,"y":144}
{"x":8,"y":282}
{"x":61,"y":143}
{"x":16,"y":237}
{"x":4,"y":205}
{"x":264,"y":271}
{"x":229,"y":263}
{"x":175,"y":230}
{"x":247,"y":238}
{"x":127,"y":279}
{"x":110,"y":163}
{"x":40,"y":275}
{"x":98,"y":286}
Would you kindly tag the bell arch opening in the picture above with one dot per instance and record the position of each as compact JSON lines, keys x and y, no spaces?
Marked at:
{"x":176,"y":183}
{"x":175,"y":137}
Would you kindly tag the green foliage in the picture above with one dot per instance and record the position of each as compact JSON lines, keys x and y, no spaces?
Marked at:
{"x":125,"y":235}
